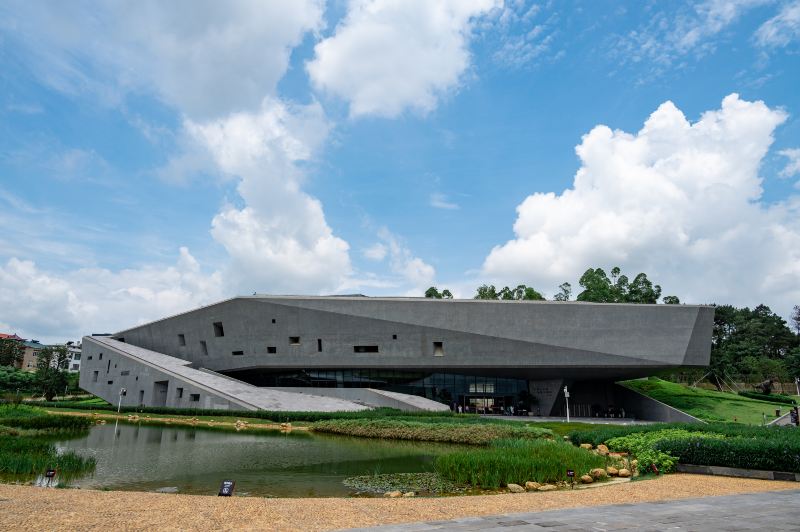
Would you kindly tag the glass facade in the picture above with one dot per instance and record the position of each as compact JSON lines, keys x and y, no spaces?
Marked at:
{"x":474,"y":393}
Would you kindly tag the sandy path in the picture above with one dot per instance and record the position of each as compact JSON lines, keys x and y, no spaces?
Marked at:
{"x":183,"y":421}
{"x":31,"y":508}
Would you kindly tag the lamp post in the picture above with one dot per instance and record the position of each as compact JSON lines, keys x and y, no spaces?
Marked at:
{"x":797,"y":384}
{"x":566,"y":398}
{"x":122,"y":391}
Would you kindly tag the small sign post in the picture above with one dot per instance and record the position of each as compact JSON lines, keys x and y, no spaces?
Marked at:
{"x":226,"y":489}
{"x":566,"y":398}
{"x":122,"y":392}
{"x":571,"y":475}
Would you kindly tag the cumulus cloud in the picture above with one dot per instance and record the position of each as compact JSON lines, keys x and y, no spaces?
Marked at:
{"x":387,"y":56}
{"x":279,"y":240}
{"x":792,"y":167}
{"x":51,"y":307}
{"x":781,"y":29}
{"x":678,"y":200}
{"x":376,"y":252}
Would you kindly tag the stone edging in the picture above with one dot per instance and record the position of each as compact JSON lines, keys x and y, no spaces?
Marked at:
{"x":736,"y":472}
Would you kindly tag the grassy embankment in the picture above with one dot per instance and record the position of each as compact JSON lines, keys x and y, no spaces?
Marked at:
{"x":708,"y":405}
{"x":25,"y":449}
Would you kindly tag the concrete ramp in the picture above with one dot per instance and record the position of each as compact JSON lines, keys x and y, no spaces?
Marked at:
{"x":374,"y":398}
{"x":150,"y":378}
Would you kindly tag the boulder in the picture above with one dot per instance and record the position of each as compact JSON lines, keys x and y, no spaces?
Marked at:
{"x":612,"y":471}
{"x":598,"y":473}
{"x":515,"y":488}
{"x":531,"y":486}
{"x":587,"y":479}
{"x":586,"y":446}
{"x":602,"y":450}
{"x":393,"y":494}
{"x":624,"y":473}
{"x":547,"y":487}
{"x":409,"y":494}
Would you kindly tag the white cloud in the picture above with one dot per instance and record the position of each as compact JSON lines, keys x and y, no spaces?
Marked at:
{"x":441,"y":201}
{"x":413,"y":271}
{"x":792,"y":167}
{"x":387,"y":56}
{"x":280,"y":239}
{"x":781,"y":29}
{"x":52,"y":307}
{"x":376,"y":252}
{"x":677,"y":200}
{"x":206,"y":58}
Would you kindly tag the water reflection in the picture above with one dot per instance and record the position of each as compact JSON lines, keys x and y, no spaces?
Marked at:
{"x":148,"y":458}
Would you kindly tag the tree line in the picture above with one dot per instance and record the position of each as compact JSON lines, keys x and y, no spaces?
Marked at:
{"x":50,"y":378}
{"x":753,"y":344}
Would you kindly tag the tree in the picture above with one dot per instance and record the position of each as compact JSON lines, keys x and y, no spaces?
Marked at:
{"x":599,"y":288}
{"x":596,"y":286}
{"x":520,"y":293}
{"x":796,"y":319}
{"x":51,"y":370}
{"x":11,"y":352}
{"x":671,"y":300}
{"x":433,"y":293}
{"x":486,"y":292}
{"x":564,"y":292}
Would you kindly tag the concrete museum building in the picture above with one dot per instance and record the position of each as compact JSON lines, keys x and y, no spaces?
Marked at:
{"x":304,"y":353}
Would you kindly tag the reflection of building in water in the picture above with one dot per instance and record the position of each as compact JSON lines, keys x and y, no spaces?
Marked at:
{"x":344,"y":353}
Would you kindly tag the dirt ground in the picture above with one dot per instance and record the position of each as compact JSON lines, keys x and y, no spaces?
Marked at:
{"x":32,"y":508}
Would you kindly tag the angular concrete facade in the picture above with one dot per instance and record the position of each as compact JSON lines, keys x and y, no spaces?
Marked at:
{"x":452,"y":351}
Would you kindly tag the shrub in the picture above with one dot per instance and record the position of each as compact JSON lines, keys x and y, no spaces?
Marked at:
{"x":641,"y":445}
{"x":400,"y":429}
{"x":516,"y":461}
{"x":746,"y":453}
{"x":772,"y":398}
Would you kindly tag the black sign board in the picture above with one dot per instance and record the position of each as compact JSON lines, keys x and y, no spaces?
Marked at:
{"x":570,"y":473}
{"x":226,"y":489}
{"x":50,"y":473}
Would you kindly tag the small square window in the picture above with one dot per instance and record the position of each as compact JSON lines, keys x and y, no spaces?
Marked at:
{"x":110,"y":382}
{"x":319,"y":345}
{"x":237,"y":353}
{"x":218,"y":330}
{"x":181,"y":339}
{"x":274,"y":321}
{"x":90,"y":357}
{"x":438,"y":349}
{"x":179,"y":393}
{"x":294,"y":340}
{"x":194,"y":397}
{"x":271,"y":349}
{"x":204,"y":347}
{"x":394,"y":337}
{"x":94,"y":375}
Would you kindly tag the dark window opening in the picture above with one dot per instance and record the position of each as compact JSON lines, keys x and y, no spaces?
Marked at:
{"x":137,"y":377}
{"x":125,"y":373}
{"x":181,"y":339}
{"x":319,"y":345}
{"x":271,"y":349}
{"x":273,"y":320}
{"x":110,"y":382}
{"x":115,"y":366}
{"x":121,"y":339}
{"x":95,"y":375}
{"x":194,"y":397}
{"x":218,"y":330}
{"x":294,"y":340}
{"x":141,"y":397}
{"x":365,"y":348}
{"x":394,"y":337}
{"x":237,"y":353}
{"x":204,"y":347}
{"x":101,"y":356}
{"x":90,"y":357}
{"x":108,"y":368}
{"x":438,"y":349}
{"x":179,"y":393}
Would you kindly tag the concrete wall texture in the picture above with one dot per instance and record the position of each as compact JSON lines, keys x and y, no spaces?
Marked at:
{"x":538,"y":341}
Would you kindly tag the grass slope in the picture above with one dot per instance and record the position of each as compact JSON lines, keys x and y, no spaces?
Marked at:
{"x":708,"y":405}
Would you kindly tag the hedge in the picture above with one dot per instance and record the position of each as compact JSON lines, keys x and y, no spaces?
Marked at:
{"x":746,"y":453}
{"x":772,"y":398}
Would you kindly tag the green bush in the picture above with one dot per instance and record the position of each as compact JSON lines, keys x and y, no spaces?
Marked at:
{"x":772,"y":398}
{"x":516,"y":461}
{"x":400,"y":429}
{"x":746,"y":453}
{"x":642,"y":446}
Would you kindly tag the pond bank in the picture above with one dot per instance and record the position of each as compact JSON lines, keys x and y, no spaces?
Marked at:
{"x":31,"y":508}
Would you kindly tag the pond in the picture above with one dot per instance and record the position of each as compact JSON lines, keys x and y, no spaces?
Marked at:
{"x":188,"y":460}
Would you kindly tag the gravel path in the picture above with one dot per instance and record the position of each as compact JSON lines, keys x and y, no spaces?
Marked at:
{"x":31,"y":508}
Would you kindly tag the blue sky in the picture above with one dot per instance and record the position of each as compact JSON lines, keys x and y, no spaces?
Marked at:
{"x":155,"y":157}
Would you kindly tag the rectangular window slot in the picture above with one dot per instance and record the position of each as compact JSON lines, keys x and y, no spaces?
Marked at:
{"x":218,"y":330}
{"x":108,"y":368}
{"x":394,"y":337}
{"x":438,"y":349}
{"x":294,"y":340}
{"x":271,"y":349}
{"x":319,"y":345}
{"x":273,"y":320}
{"x":121,"y":340}
{"x":204,"y":348}
{"x":365,"y":348}
{"x":181,"y":339}
{"x":124,"y":373}
{"x":90,"y":357}
{"x":110,"y":382}
{"x":95,"y":375}
{"x":194,"y":397}
{"x":237,"y":353}
{"x":101,"y":356}
{"x":179,"y":393}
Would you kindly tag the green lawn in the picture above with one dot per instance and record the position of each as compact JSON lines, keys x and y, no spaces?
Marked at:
{"x":708,"y":405}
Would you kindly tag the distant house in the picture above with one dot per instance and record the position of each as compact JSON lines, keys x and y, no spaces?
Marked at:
{"x":32,"y":349}
{"x":4,"y":336}
{"x":74,"y":351}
